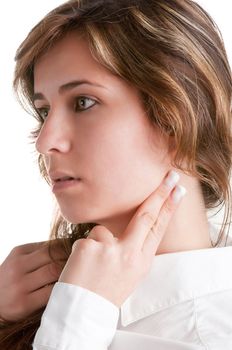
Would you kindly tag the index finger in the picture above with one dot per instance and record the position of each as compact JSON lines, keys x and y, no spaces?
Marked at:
{"x":29,"y":247}
{"x":46,"y":254}
{"x":148,"y":212}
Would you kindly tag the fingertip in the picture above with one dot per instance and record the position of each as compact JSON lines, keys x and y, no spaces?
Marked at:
{"x":178,"y":193}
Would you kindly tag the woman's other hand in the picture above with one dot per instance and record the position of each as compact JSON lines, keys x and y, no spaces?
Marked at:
{"x":27,"y":277}
{"x":113,"y":267}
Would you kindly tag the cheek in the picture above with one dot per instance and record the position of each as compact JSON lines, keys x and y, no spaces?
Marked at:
{"x":120,"y":171}
{"x":124,"y":163}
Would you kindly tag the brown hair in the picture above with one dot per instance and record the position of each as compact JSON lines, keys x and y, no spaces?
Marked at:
{"x":172,"y":51}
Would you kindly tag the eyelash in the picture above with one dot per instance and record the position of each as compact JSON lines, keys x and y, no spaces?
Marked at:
{"x":42,"y":109}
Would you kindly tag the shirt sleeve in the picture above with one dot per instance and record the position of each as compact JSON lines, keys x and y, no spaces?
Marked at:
{"x":76,"y":319}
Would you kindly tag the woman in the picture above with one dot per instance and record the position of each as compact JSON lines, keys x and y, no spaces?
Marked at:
{"x":157,"y":84}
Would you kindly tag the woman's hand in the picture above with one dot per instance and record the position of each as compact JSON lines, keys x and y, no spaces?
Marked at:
{"x":113,"y":267}
{"x":27,"y":277}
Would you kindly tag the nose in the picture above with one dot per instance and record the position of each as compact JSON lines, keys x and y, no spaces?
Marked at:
{"x":54,"y":135}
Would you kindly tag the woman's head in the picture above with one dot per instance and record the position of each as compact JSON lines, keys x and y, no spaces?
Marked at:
{"x":167,"y":87}
{"x":96,"y":132}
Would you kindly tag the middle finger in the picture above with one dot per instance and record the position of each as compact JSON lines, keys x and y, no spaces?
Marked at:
{"x":147,"y":214}
{"x":46,"y":274}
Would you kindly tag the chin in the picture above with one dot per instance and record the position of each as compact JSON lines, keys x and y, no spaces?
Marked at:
{"x":78,"y":216}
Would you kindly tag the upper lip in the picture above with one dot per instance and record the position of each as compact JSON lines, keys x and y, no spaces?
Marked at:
{"x":59,"y":175}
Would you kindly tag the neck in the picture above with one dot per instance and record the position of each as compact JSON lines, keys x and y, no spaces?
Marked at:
{"x":188,"y":228}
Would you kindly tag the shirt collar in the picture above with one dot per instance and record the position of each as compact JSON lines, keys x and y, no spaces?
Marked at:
{"x":178,"y":277}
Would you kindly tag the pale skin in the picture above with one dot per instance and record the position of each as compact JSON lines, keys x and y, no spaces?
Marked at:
{"x":27,"y":277}
{"x":101,"y":262}
{"x":28,"y":274}
{"x":110,"y":145}
{"x":106,"y":144}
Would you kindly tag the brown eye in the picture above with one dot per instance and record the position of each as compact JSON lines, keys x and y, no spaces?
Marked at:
{"x":83,"y":103}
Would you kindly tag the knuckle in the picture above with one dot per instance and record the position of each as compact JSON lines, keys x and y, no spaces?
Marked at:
{"x":16,"y":250}
{"x":97,"y":229}
{"x":154,"y":233}
{"x":77,"y":243}
{"x":54,"y":270}
{"x":109,"y":252}
{"x":163,"y":191}
{"x":147,"y":219}
{"x":168,"y":208}
{"x":86,"y":244}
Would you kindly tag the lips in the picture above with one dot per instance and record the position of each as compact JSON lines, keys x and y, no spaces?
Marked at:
{"x":64,"y":184}
{"x":58,"y":176}
{"x":65,"y":178}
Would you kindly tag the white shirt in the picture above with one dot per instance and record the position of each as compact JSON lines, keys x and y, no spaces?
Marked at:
{"x":184,"y":303}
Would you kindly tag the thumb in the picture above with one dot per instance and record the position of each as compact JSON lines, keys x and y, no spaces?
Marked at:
{"x":101,"y":234}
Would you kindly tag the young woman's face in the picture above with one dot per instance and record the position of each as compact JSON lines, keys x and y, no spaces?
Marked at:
{"x":98,"y":133}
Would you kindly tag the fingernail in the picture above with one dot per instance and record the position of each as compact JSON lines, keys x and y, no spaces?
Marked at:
{"x":172,"y":179}
{"x":178,"y":193}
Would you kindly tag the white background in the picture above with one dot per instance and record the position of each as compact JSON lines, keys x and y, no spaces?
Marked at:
{"x":26,"y":200}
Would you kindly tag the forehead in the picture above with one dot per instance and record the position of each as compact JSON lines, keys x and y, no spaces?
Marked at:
{"x":68,"y":58}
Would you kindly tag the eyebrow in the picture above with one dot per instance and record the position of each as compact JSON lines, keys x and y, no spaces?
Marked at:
{"x":68,"y":86}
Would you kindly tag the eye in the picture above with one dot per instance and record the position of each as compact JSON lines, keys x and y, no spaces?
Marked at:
{"x":43,"y":112}
{"x":81,"y":103}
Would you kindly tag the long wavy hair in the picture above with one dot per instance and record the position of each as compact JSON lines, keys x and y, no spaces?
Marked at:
{"x":173,"y":52}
